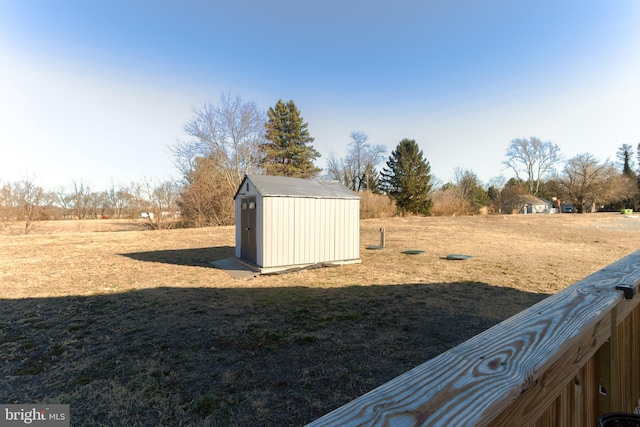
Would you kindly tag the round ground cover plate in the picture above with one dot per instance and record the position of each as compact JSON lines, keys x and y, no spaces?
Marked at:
{"x":374,"y":247}
{"x":458,"y":256}
{"x":413,"y":252}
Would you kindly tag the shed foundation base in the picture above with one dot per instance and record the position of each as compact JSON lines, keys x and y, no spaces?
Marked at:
{"x":291,"y":268}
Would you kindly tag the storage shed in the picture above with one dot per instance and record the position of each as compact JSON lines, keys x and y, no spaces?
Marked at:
{"x":284,"y":223}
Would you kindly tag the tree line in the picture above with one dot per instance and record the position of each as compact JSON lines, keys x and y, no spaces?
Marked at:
{"x":232,"y":137}
{"x":24,"y":201}
{"x":583,"y":181}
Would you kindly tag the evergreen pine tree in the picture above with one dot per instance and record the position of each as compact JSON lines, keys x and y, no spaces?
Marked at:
{"x":288,"y":150}
{"x":625,"y":158}
{"x":407,"y":178}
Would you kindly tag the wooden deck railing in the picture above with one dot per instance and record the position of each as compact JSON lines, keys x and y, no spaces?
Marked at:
{"x":562,"y":362}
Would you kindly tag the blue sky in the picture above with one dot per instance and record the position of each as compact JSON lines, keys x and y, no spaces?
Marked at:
{"x":97,"y":91}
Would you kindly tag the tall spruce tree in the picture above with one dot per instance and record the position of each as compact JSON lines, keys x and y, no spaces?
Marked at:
{"x":407,"y":178}
{"x":288,"y":150}
{"x":625,"y":160}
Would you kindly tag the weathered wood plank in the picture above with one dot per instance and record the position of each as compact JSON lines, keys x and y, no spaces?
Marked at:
{"x":628,"y":352}
{"x":475,"y":382}
{"x":557,"y":378}
{"x":602,"y":378}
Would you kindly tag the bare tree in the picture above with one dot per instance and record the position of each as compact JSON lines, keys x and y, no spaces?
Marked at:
{"x":510,"y":196}
{"x":97,"y":204}
{"x":494,"y":191}
{"x":22,"y":201}
{"x":228,"y":133}
{"x":627,"y":192}
{"x":160,"y":203}
{"x":64,"y":200}
{"x":228,"y":136}
{"x":470,"y":189}
{"x":357,"y":170}
{"x":119,"y":198}
{"x":586,"y":182}
{"x":80,"y":199}
{"x":463,"y":196}
{"x":7,"y":204}
{"x":533,"y":158}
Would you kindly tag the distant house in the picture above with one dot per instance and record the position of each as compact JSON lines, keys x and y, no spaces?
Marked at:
{"x":284,"y":223}
{"x":527,"y":204}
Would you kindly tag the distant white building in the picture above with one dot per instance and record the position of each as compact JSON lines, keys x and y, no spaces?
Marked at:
{"x":527,"y":204}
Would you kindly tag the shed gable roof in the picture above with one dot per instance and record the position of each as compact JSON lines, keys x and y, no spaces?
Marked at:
{"x":283,"y":186}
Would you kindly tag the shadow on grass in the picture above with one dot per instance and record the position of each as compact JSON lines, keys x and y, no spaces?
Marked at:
{"x":201,"y":257}
{"x":267,"y":356}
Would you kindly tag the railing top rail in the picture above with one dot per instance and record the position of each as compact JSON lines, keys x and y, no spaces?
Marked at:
{"x":473,"y":383}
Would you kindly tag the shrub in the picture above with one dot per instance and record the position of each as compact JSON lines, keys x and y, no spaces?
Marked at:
{"x":374,"y":205}
{"x":449,"y":203}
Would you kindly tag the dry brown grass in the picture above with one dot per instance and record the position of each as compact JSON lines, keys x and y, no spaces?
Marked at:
{"x":136,"y":328}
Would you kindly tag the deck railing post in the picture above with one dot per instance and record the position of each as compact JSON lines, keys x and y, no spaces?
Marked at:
{"x":614,"y":400}
{"x":606,"y":372}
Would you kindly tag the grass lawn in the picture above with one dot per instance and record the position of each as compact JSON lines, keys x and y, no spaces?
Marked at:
{"x":135,"y":327}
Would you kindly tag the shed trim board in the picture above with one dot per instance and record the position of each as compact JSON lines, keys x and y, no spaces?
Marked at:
{"x":298,"y":222}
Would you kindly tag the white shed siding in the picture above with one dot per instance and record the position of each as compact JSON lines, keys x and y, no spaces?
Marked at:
{"x":263,"y":248}
{"x":351,"y":244}
{"x":313,"y":219}
{"x":271,"y":240}
{"x":307,"y":231}
{"x":298,"y":244}
{"x":259,"y":229}
{"x":300,"y":253}
{"x":264,"y":243}
{"x":351,"y":230}
{"x":279,"y":237}
{"x":333,"y":233}
{"x":327,"y":231}
{"x":287,"y":212}
{"x":355,"y":229}
{"x":341,"y":230}
{"x":335,"y":228}
{"x":269,"y":244}
{"x":274,"y":255}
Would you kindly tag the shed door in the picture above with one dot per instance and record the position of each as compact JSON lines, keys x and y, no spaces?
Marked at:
{"x":248,"y":247}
